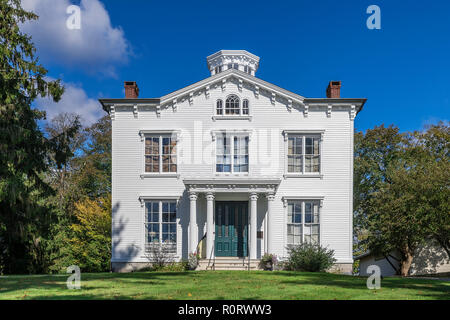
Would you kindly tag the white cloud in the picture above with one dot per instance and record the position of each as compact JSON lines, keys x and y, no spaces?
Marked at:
{"x":96,"y":47}
{"x":74,"y":100}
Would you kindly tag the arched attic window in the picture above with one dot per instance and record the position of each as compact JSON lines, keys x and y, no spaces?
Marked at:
{"x":232,"y":105}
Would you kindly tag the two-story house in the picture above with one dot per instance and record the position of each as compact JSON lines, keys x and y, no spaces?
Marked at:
{"x":237,"y":162}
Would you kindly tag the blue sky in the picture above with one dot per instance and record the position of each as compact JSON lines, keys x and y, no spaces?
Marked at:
{"x":402,"y":69}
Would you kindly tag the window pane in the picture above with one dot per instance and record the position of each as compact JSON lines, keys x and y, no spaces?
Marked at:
{"x":219,"y":107}
{"x":308,"y":212}
{"x":232,"y":105}
{"x":245,"y":107}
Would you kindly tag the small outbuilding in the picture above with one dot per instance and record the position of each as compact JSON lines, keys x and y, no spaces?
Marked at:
{"x":429,"y":259}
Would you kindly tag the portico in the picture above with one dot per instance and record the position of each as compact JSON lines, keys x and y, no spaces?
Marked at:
{"x":246,"y":232}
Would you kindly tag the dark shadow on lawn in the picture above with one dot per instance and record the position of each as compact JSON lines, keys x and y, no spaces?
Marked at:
{"x":431,"y":288}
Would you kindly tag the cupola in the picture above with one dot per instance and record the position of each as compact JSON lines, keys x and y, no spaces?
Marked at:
{"x":233,"y":59}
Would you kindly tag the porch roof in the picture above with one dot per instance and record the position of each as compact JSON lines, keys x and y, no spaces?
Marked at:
{"x":232,"y":184}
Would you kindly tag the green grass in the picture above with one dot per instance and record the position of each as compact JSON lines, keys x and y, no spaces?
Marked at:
{"x":219,"y":285}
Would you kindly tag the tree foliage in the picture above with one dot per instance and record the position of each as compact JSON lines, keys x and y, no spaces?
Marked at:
{"x":88,"y":240}
{"x":24,"y":149}
{"x":401,"y":190}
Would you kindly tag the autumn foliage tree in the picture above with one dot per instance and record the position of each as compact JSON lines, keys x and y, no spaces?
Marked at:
{"x":88,"y":242}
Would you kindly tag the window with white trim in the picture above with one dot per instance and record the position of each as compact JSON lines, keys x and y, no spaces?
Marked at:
{"x":219,"y":107}
{"x":161,"y":222}
{"x":303,"y":223}
{"x":232,"y":105}
{"x":245,"y":109}
{"x":303,"y":153}
{"x":160,"y":154}
{"x":232,"y":153}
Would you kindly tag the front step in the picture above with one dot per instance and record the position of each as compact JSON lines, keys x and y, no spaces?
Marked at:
{"x":228,"y":263}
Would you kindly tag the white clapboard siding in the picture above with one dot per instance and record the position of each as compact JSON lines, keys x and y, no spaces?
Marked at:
{"x":195,"y":122}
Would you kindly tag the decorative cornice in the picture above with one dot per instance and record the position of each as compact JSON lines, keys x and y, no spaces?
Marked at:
{"x":142,"y":199}
{"x":231,"y":131}
{"x":247,"y":185}
{"x":285,"y":199}
{"x":112,"y":112}
{"x":306,"y":110}
{"x":174,"y":132}
{"x":329,"y":110}
{"x":352,"y":112}
{"x":174,"y":105}
{"x":286,"y":133}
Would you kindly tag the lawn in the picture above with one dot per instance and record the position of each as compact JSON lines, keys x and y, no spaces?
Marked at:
{"x":219,"y":285}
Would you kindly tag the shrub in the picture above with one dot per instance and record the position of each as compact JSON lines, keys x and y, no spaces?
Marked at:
{"x":159,"y":255}
{"x":193,"y":261}
{"x":309,"y":257}
{"x":268,"y":261}
{"x":173,"y":267}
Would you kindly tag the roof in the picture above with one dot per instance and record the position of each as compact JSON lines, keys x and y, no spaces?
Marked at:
{"x":232,"y":73}
{"x":363,"y":255}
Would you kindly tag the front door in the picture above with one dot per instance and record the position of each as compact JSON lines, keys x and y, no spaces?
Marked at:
{"x":231,"y":229}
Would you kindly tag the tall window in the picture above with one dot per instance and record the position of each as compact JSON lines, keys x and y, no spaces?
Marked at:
{"x":303,"y":154}
{"x":232,"y":105}
{"x":230,"y":147}
{"x":219,"y":107}
{"x":160,"y":154}
{"x":161,"y":222}
{"x":247,"y":69}
{"x":218,"y":69}
{"x":245,"y":107}
{"x":240,"y":163}
{"x":303,"y":222}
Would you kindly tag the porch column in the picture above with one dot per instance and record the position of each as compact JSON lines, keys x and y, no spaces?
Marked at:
{"x":193,"y":235}
{"x":209,"y":225}
{"x":253,"y":213}
{"x":270,"y":198}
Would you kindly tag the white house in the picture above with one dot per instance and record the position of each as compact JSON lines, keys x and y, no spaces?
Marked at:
{"x":247,"y":166}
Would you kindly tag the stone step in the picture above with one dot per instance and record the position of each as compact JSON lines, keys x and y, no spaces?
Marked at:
{"x":228,"y":263}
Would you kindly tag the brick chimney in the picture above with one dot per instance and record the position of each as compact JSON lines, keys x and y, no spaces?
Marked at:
{"x":334,"y":89}
{"x":131,"y":89}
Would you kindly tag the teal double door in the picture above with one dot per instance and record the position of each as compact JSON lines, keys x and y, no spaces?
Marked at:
{"x":231,"y":229}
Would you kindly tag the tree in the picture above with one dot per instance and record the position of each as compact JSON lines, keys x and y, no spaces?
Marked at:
{"x":24,"y":149}
{"x":388,"y":205}
{"x":88,"y":241}
{"x":87,"y":176}
{"x":60,"y":175}
{"x":433,"y":148}
{"x":94,"y":166}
